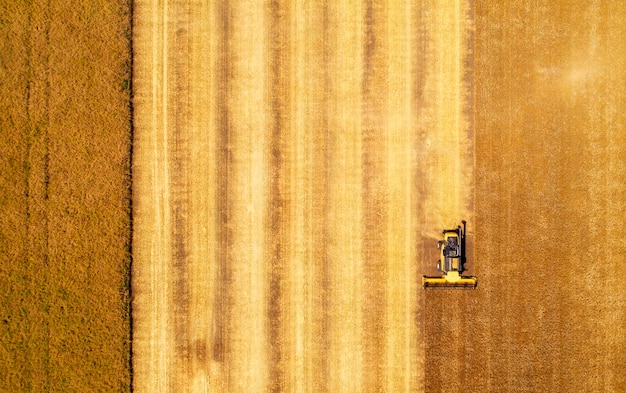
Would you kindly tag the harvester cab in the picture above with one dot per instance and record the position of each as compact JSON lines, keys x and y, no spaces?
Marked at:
{"x":451,"y":262}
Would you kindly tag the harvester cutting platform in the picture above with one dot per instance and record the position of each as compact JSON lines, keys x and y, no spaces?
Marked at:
{"x":451,"y":262}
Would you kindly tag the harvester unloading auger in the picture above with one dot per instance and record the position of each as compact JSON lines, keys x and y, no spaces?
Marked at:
{"x":451,"y":262}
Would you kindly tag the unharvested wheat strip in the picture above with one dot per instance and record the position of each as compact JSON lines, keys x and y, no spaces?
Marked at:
{"x":248,"y":189}
{"x":38,"y":208}
{"x":345,"y":354}
{"x":614,"y":342}
{"x":403,"y":349}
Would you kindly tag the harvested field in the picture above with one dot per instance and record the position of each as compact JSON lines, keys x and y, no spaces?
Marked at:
{"x":290,"y":163}
{"x":64,"y":196}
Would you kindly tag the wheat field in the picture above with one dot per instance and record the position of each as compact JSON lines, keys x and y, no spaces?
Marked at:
{"x":292,"y":166}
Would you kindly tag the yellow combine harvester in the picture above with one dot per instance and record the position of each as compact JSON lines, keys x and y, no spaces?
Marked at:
{"x":451,"y":262}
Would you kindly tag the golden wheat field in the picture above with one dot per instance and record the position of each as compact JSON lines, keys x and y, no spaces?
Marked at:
{"x":64,"y":196}
{"x":247,"y":200}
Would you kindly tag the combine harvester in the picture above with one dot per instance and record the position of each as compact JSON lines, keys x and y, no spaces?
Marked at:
{"x":451,"y":262}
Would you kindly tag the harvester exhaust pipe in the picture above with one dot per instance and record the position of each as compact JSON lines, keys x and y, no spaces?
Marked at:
{"x":451,"y":262}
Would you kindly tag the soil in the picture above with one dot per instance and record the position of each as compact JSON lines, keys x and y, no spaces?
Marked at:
{"x":64,"y":196}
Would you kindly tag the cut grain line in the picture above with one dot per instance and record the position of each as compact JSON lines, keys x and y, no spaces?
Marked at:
{"x":277,"y":34}
{"x":179,"y":159}
{"x":164,"y":203}
{"x":221,"y":293}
